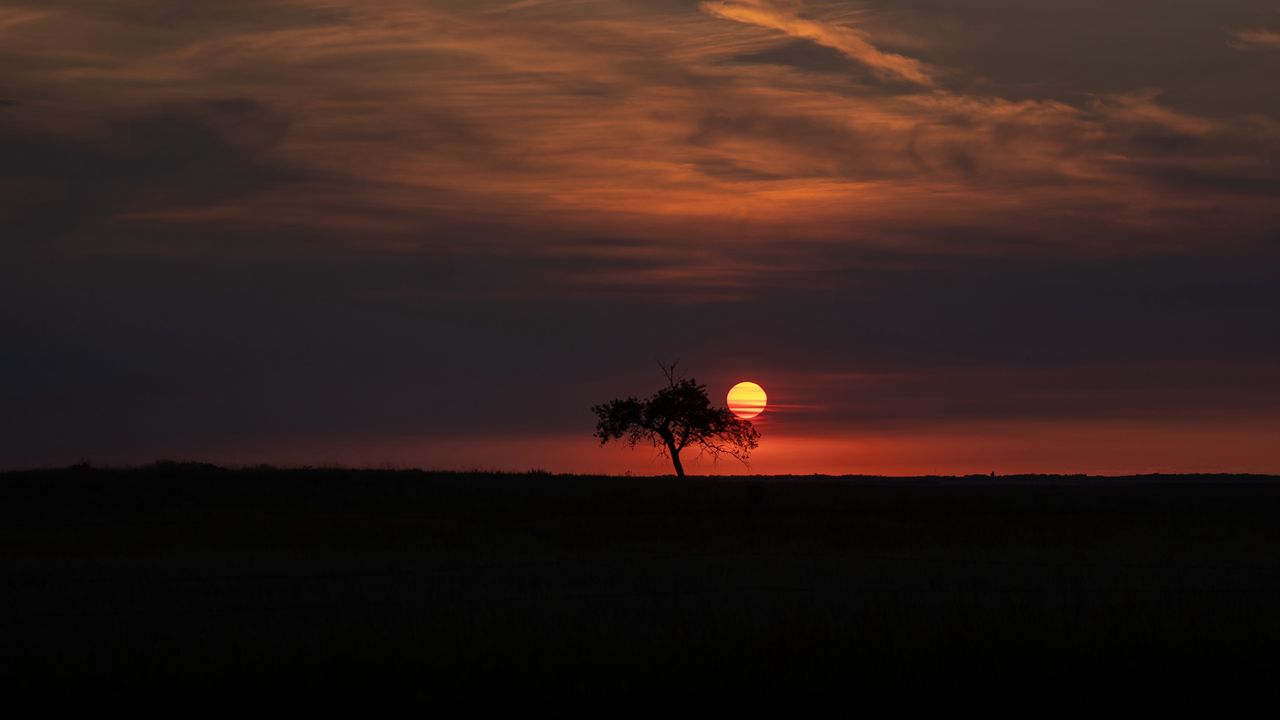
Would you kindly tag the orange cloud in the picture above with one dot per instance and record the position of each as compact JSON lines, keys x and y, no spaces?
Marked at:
{"x":1255,"y":40}
{"x":609,"y":119}
{"x":851,"y":42}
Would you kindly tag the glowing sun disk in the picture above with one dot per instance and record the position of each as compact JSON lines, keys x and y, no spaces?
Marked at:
{"x":747,"y":400}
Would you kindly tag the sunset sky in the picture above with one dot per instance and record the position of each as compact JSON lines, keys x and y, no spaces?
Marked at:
{"x":1001,"y":235}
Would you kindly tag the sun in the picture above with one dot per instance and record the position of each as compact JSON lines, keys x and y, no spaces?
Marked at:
{"x":747,"y":400}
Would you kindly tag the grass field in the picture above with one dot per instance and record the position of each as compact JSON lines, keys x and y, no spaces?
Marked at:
{"x":192,"y":576}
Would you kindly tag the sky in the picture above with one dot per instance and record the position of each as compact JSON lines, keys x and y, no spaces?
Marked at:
{"x":993,"y":236}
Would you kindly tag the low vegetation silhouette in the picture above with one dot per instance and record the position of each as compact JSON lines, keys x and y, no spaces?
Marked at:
{"x":674,"y":418}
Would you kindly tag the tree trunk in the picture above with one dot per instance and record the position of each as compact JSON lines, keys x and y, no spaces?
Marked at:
{"x":675,"y":459}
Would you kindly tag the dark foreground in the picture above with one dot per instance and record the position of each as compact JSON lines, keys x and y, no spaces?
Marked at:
{"x":1066,"y":590}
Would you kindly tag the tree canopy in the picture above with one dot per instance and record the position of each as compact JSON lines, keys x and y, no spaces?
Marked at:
{"x":677,"y":417}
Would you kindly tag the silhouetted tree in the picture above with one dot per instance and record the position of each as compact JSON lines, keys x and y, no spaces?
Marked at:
{"x":676,"y":417}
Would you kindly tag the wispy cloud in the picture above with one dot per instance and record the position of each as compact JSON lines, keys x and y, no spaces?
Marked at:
{"x":1255,"y":40}
{"x":852,"y":42}
{"x":14,"y":17}
{"x":419,"y":127}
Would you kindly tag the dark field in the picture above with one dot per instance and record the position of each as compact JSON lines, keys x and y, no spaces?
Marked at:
{"x":1065,"y":589}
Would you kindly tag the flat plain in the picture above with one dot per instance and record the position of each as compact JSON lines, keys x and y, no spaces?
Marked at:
{"x":194,"y":576}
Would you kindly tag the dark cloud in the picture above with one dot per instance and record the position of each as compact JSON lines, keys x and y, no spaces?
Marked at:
{"x":1068,"y":51}
{"x":189,"y":154}
{"x":144,"y":352}
{"x":802,"y":56}
{"x":206,"y":19}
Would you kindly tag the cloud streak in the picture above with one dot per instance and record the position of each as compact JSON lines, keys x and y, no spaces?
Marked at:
{"x":851,"y":42}
{"x":1255,"y":40}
